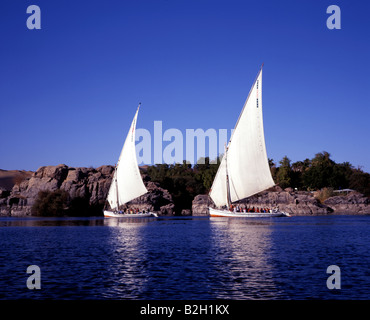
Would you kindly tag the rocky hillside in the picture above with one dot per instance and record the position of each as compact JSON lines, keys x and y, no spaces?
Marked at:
{"x":296,"y":203}
{"x":8,"y":178}
{"x":84,"y":183}
{"x":19,"y":190}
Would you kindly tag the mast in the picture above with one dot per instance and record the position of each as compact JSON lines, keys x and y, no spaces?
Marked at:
{"x":117,"y":186}
{"x":227,"y":181}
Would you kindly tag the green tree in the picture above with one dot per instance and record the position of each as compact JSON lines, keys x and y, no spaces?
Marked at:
{"x":318,"y":175}
{"x":184,"y":182}
{"x":341,"y":175}
{"x":273,"y":169}
{"x":360,"y":181}
{"x":51,"y":203}
{"x":298,"y":169}
{"x":284,"y":173}
{"x":205,"y":171}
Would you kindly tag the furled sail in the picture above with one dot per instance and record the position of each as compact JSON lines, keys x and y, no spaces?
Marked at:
{"x":247,"y":163}
{"x":127,"y":183}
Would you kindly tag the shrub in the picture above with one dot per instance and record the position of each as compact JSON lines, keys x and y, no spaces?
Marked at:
{"x":324,"y":194}
{"x":51,"y":203}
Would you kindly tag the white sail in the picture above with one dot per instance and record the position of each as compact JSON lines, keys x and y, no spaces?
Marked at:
{"x":127,"y":183}
{"x":247,"y":162}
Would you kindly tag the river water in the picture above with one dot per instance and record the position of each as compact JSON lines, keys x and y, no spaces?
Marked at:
{"x":185,"y":258}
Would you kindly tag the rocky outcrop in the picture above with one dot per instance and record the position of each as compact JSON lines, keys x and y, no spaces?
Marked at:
{"x":92,"y":184}
{"x":156,"y":200}
{"x":200,"y":205}
{"x":86,"y":183}
{"x":292,"y":202}
{"x":353,"y":203}
{"x":295,"y":203}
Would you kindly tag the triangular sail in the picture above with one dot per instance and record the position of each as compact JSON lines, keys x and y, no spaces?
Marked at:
{"x":247,"y":162}
{"x":127,"y":183}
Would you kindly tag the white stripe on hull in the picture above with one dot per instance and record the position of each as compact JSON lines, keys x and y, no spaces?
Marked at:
{"x":226,"y":213}
{"x":112,"y":214}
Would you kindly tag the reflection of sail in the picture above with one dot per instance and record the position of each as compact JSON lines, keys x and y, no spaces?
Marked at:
{"x":126,"y":267}
{"x":189,"y":258}
{"x":246,"y":245}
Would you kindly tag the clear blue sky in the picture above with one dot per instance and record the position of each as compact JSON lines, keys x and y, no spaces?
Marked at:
{"x":68,"y":92}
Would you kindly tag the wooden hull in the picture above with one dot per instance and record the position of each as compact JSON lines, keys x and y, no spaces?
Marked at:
{"x":111,"y":214}
{"x":227,"y":213}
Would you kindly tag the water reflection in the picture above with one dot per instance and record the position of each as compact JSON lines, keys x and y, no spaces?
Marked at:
{"x":184,"y":258}
{"x":241,"y":258}
{"x":191,"y":258}
{"x":160,"y":259}
{"x":126,"y":222}
{"x":126,"y":268}
{"x":50,"y":221}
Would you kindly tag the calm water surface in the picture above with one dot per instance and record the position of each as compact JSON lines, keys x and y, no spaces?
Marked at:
{"x":185,"y":258}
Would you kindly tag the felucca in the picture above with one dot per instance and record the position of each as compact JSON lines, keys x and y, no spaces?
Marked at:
{"x":244,"y":169}
{"x":127,"y":183}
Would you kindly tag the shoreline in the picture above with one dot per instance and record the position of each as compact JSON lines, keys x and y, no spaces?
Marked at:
{"x":90,"y":187}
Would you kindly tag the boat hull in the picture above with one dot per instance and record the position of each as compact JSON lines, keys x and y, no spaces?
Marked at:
{"x":226,"y":213}
{"x":111,"y":214}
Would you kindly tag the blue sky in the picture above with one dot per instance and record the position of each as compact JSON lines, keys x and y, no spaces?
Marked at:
{"x":68,"y":92}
